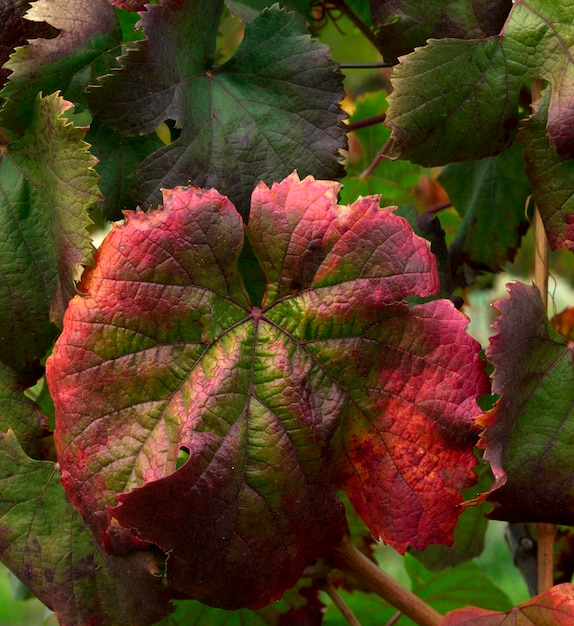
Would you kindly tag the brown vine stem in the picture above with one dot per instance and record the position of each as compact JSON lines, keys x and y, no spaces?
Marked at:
{"x":546,"y":533}
{"x":350,"y":559}
{"x":369,"y":121}
{"x":382,"y":154}
{"x":346,"y":612}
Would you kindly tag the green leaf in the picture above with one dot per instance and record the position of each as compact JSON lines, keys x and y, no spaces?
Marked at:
{"x":271,"y":108}
{"x":67,"y":63}
{"x":551,"y":177}
{"x":448,"y":104}
{"x":300,"y":605}
{"x":45,"y":543}
{"x":455,"y":587}
{"x":403,"y":25}
{"x":47,"y":185}
{"x":277,"y":405}
{"x":528,"y":432}
{"x":118,"y":158}
{"x":457,"y":100}
{"x":19,"y":413}
{"x":248,"y":10}
{"x":393,"y":180}
{"x":450,"y":589}
{"x":491,"y":196}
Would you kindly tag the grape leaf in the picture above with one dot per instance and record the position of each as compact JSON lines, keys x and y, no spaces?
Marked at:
{"x":468,"y":535}
{"x":89,"y":35}
{"x":44,"y":240}
{"x":248,"y":10}
{"x":46,"y":544}
{"x":299,"y":606}
{"x":490,"y":195}
{"x":332,"y":381}
{"x":273,"y":107}
{"x":118,"y":157}
{"x":554,"y":607}
{"x":551,"y":177}
{"x":16,"y":31}
{"x":529,"y":430}
{"x":19,"y":413}
{"x":444,"y":591}
{"x":457,"y":100}
{"x":403,"y":25}
{"x":456,"y":587}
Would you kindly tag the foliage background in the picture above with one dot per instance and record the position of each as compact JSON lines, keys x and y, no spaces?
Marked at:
{"x":348,"y":44}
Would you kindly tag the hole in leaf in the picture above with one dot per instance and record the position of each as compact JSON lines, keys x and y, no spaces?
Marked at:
{"x":229,"y":37}
{"x":168,"y":132}
{"x":182,"y":457}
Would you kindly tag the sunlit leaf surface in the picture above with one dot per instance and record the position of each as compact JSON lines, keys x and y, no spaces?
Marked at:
{"x":43,"y":222}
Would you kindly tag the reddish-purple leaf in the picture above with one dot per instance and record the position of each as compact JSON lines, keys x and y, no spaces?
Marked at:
{"x":554,"y":607}
{"x":529,"y":432}
{"x":16,"y":31}
{"x":332,"y":381}
{"x":88,"y":35}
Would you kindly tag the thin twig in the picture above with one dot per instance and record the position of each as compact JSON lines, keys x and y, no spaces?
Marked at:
{"x":439,"y":207}
{"x":394,"y":619}
{"x":357,"y":21}
{"x":382,"y":154}
{"x":368,"y":121}
{"x":541,"y":270}
{"x":338,"y":601}
{"x":364,"y":66}
{"x":350,"y":559}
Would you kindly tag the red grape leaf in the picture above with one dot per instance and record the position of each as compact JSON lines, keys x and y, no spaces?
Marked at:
{"x":332,"y":381}
{"x":555,"y":607}
{"x":529,"y":431}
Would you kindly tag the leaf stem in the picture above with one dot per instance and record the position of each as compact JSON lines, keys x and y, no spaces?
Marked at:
{"x":382,"y":154}
{"x":364,"y":66}
{"x":546,"y":533}
{"x":348,"y":558}
{"x":357,"y":21}
{"x":368,"y":121}
{"x":329,"y":588}
{"x":540,"y":257}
